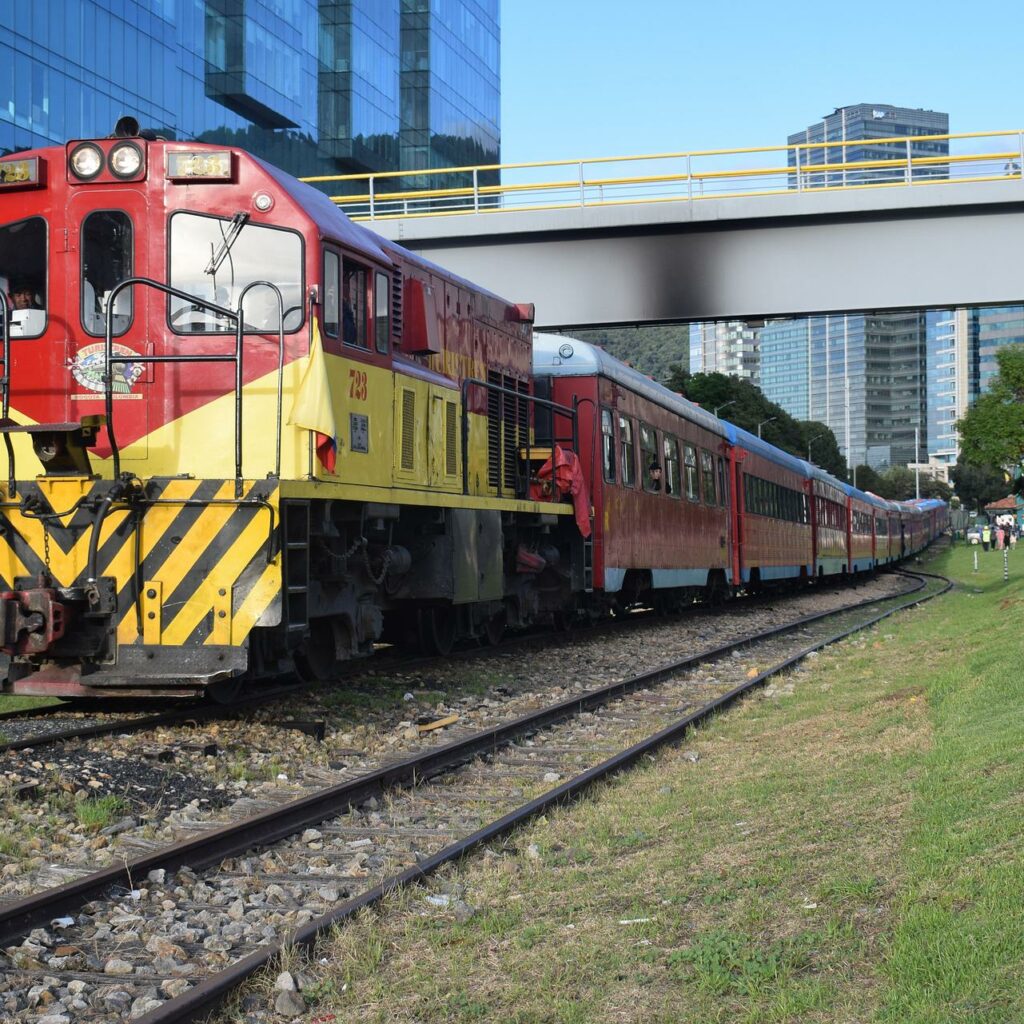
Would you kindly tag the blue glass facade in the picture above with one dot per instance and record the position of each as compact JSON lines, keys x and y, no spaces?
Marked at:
{"x":866,"y":122}
{"x":315,"y":87}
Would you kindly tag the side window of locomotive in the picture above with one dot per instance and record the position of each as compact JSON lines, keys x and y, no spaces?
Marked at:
{"x":107,"y":260}
{"x":353,"y":304}
{"x":332,"y":293}
{"x":23,"y":275}
{"x":707,"y":472}
{"x":608,"y":445}
{"x":628,"y":453}
{"x":648,"y":456}
{"x":381,"y":311}
{"x":671,"y":449}
{"x":690,"y":468}
{"x":215,"y":258}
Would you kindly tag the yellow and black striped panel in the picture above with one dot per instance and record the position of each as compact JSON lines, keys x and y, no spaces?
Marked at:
{"x":190,"y":560}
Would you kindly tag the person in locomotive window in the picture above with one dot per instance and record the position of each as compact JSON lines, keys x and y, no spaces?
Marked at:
{"x":348,"y":322}
{"x":23,"y":296}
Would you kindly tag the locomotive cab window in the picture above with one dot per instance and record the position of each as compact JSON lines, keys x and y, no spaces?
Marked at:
{"x":107,"y":260}
{"x":381,"y":311}
{"x":215,"y":258}
{"x":23,"y":275}
{"x":353,"y":304}
{"x":608,"y":445}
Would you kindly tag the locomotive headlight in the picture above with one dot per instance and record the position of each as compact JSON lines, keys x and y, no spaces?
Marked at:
{"x":125,"y":160}
{"x":86,"y":161}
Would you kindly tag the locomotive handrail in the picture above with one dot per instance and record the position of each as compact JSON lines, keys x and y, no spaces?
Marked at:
{"x":501,"y":390}
{"x":108,"y":352}
{"x":280,"y":357}
{"x":5,"y":386}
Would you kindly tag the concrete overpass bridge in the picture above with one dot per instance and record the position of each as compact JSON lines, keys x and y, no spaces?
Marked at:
{"x":744,"y":241}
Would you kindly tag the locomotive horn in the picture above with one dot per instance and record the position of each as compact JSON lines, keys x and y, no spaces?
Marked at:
{"x":126,"y":128}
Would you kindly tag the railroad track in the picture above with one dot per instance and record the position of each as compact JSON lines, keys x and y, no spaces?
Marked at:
{"x":36,"y":728}
{"x":169,"y":935}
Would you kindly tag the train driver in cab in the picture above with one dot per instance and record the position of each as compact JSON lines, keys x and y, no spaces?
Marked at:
{"x":23,"y":296}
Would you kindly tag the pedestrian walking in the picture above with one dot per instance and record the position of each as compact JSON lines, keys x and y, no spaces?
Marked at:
{"x":1000,"y":538}
{"x":986,"y":537}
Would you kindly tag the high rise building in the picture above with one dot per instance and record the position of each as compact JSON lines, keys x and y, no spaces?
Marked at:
{"x":869,"y":124}
{"x":315,"y":87}
{"x":865,"y":375}
{"x":728,"y":346}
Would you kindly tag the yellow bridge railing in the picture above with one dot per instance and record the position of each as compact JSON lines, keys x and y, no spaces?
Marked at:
{"x":913,"y":161}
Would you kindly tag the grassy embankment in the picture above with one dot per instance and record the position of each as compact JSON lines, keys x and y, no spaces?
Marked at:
{"x":848,"y":848}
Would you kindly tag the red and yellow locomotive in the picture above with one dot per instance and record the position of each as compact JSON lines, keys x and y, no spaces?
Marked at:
{"x":243,"y":432}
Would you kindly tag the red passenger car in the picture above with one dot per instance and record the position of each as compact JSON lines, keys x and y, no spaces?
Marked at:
{"x":656,"y":468}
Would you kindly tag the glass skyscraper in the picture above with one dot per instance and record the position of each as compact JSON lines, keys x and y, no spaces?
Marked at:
{"x":870,"y":124}
{"x":315,"y":87}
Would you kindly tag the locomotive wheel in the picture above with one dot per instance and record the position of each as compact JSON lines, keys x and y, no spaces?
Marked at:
{"x":494,"y":629}
{"x":437,"y":629}
{"x":227,"y":691}
{"x":316,"y":660}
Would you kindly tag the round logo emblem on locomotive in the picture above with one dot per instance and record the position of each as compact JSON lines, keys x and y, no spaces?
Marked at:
{"x":87,"y":368}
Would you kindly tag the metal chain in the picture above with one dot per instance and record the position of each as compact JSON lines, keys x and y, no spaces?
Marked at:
{"x":386,"y":562}
{"x":46,"y":546}
{"x":362,"y":542}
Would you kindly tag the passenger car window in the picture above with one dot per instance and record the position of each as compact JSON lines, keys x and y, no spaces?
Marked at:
{"x":723,"y":490}
{"x":628,"y":453}
{"x":707,"y":471}
{"x":107,"y":245}
{"x":23,"y":275}
{"x":648,"y":457}
{"x":608,"y":445}
{"x":690,"y":468}
{"x":671,"y":448}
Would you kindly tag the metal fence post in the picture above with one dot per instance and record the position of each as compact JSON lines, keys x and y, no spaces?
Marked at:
{"x":1006,"y":565}
{"x":689,"y":177}
{"x":476,"y":190}
{"x":372,"y":211}
{"x":910,"y":166}
{"x":583,"y":198}
{"x":799,"y":183}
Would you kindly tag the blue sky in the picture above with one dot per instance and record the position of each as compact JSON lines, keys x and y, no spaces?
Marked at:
{"x":585,"y":78}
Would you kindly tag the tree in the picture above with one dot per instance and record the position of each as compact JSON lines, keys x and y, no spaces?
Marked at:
{"x":867,"y":478}
{"x":992,"y":432}
{"x":896,"y":484}
{"x":743,"y":403}
{"x":978,"y":486}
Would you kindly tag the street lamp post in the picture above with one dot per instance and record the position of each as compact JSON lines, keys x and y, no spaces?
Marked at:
{"x":771,"y":419}
{"x":917,"y":462}
{"x":725,"y":405}
{"x":809,"y":443}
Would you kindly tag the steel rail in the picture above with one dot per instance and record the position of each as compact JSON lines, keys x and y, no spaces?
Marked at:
{"x":196,"y":1003}
{"x":194,"y":713}
{"x":19,"y":918}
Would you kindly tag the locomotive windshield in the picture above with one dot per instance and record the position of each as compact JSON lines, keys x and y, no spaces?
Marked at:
{"x":256,"y":253}
{"x":23,"y":275}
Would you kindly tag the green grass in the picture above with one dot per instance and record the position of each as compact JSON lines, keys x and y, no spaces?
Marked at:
{"x":852,"y":852}
{"x":98,"y":813}
{"x":10,"y":702}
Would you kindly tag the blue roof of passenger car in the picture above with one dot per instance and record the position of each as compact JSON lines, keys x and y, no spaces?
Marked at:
{"x":586,"y":360}
{"x":753,"y":443}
